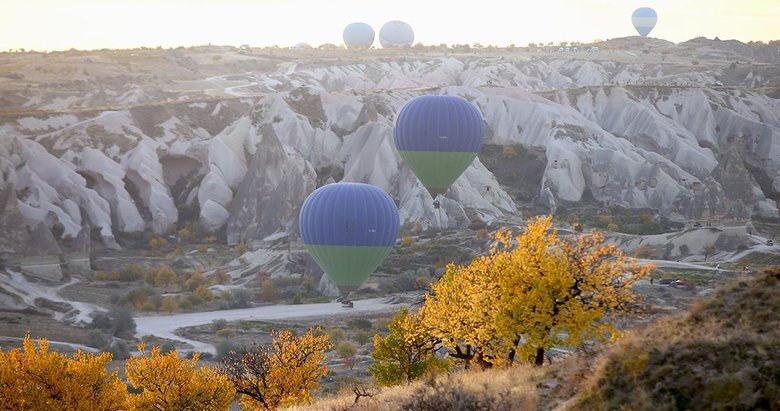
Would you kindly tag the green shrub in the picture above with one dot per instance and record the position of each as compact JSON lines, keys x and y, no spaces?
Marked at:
{"x":359,"y":323}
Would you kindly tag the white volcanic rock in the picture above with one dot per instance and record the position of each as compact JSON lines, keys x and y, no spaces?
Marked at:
{"x":478,"y":191}
{"x":52,"y":183}
{"x":214,"y":187}
{"x":270,"y":196}
{"x":108,"y":176}
{"x":319,"y":146}
{"x":370,"y":156}
{"x":227,"y":168}
{"x":143,"y":169}
{"x":682,"y":151}
{"x":14,"y":231}
{"x":213,"y":215}
{"x":620,"y":114}
{"x":226,"y":152}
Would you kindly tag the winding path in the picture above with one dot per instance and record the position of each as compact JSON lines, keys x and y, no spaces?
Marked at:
{"x":165,"y":326}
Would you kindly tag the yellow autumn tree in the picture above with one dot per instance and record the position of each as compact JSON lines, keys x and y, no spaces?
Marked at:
{"x":459,"y":314}
{"x":34,"y":378}
{"x":168,"y":382}
{"x":281,"y":375}
{"x":406,"y":353}
{"x":532,"y":291}
{"x":557,"y":292}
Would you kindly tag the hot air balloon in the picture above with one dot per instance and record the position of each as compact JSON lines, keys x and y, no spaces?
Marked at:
{"x":358,"y":36}
{"x":644,"y":19}
{"x":396,"y":34}
{"x":438,"y":137}
{"x":349,"y":229}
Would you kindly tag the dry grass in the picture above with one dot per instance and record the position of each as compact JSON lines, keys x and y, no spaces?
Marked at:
{"x":499,"y":389}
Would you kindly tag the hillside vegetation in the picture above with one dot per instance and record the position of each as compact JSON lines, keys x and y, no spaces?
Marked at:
{"x":724,"y":354}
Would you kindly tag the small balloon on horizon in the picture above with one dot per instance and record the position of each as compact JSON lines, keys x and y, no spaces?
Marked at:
{"x":644,"y":20}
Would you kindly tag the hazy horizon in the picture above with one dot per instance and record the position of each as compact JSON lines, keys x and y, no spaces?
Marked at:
{"x":94,"y":24}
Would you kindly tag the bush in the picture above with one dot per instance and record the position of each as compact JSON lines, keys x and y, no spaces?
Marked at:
{"x":131,"y":272}
{"x":346,"y":351}
{"x":241,"y":249}
{"x":122,"y":323}
{"x":218,"y":324}
{"x":161,"y":277}
{"x":407,"y":241}
{"x":97,"y":339}
{"x":170,"y":304}
{"x":224,"y":348}
{"x":120,"y":350}
{"x":241,"y":299}
{"x":364,"y":337}
{"x":405,"y":282}
{"x":604,"y":221}
{"x":235,"y":299}
{"x":196,"y":280}
{"x":269,"y":291}
{"x":337,"y":335}
{"x":101,"y":322}
{"x":225,"y":333}
{"x":167,"y":347}
{"x":509,"y":152}
{"x":185,"y":304}
{"x":204,"y":293}
{"x":643,"y":251}
{"x":138,"y":296}
{"x":359,"y":323}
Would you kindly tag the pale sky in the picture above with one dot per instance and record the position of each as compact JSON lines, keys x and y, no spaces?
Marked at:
{"x":92,"y":24}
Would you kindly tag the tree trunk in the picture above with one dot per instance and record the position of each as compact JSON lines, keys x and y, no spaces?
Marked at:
{"x":539,"y":357}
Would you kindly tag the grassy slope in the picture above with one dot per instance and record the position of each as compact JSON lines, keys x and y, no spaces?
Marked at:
{"x":724,"y":354}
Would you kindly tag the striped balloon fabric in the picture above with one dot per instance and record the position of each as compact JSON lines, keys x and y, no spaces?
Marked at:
{"x":644,"y":19}
{"x":349,"y":229}
{"x":438,"y":137}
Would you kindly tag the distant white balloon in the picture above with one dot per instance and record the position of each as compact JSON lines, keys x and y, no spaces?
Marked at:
{"x":644,"y":19}
{"x":303,"y":46}
{"x":396,"y":34}
{"x":358,"y":36}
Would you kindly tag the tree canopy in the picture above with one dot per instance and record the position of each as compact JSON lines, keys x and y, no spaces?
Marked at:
{"x":532,"y":291}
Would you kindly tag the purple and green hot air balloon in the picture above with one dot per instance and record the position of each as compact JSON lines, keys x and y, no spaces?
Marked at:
{"x":349,"y":229}
{"x":438,"y":137}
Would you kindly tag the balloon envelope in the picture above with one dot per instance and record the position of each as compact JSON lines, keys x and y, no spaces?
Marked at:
{"x":358,"y":36}
{"x":438,"y":138}
{"x":644,"y":19}
{"x":396,"y":34}
{"x":349,"y":229}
